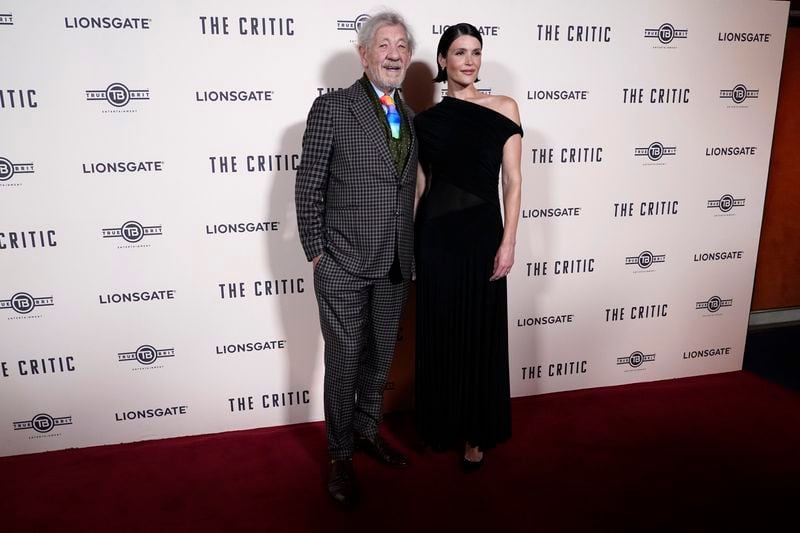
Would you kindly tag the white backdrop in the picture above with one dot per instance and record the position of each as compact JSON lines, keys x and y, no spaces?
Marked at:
{"x":152,"y":281}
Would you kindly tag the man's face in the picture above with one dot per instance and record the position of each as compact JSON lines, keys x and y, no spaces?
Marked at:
{"x":386,"y":58}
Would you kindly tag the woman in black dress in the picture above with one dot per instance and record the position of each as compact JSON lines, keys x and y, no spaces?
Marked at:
{"x":464,"y":253}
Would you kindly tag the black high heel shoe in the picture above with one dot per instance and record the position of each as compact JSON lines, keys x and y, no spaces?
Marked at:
{"x":470,"y":466}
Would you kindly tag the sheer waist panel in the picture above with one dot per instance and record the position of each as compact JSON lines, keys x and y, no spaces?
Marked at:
{"x":444,"y":198}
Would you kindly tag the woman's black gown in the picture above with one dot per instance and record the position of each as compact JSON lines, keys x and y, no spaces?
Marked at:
{"x":462,"y":382}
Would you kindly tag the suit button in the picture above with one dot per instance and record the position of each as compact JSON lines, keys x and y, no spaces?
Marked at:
{"x":397,"y":213}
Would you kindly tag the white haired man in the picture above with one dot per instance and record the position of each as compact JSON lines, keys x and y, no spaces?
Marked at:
{"x":354,"y":196}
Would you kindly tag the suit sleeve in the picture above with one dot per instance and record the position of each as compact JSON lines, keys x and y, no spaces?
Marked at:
{"x":312,"y":178}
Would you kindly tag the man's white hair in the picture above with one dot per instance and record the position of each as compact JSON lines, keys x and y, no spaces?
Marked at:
{"x":385,"y":18}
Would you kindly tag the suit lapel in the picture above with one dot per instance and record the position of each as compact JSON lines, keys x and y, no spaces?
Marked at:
{"x":368,"y":118}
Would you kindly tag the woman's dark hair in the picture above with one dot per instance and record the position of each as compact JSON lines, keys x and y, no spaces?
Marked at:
{"x":451,"y":34}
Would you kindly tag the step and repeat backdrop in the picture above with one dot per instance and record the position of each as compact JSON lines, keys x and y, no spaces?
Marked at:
{"x":152,"y":282}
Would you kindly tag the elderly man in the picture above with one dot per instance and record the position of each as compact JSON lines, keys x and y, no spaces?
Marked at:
{"x":354,"y":196}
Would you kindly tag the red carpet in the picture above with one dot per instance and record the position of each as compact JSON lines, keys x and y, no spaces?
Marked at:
{"x":709,"y":453}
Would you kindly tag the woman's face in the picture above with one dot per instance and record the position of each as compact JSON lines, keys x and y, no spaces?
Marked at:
{"x":463,"y":60}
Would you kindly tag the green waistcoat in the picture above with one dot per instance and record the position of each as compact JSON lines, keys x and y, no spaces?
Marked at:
{"x":398,"y":148}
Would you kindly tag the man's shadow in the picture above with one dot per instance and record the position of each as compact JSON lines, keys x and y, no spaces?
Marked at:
{"x":299,"y":317}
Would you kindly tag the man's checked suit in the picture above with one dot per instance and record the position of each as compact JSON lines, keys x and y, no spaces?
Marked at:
{"x":355,"y":209}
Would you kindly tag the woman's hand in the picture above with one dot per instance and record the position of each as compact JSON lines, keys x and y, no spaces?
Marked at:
{"x":503,"y":261}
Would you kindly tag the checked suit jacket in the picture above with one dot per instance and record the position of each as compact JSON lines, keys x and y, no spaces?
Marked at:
{"x":351,"y":201}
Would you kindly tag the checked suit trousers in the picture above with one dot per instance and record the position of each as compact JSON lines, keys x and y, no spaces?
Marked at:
{"x":359,"y":319}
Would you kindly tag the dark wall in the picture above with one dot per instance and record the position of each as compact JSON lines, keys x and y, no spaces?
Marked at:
{"x":777,"y":281}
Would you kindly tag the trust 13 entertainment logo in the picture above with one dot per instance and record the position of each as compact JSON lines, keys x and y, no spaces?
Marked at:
{"x":739,"y":94}
{"x":9,"y":169}
{"x":665,"y":33}
{"x":655,"y":151}
{"x":43,"y":423}
{"x":636,"y":359}
{"x":645,"y":259}
{"x":146,"y":354}
{"x":131,"y":232}
{"x":117,"y":94}
{"x":23,"y":303}
{"x":352,"y":25}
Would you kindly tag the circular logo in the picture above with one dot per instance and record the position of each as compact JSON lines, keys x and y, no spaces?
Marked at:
{"x":666,"y":32}
{"x":726,"y":203}
{"x":118,"y":95}
{"x":645,"y":259}
{"x":22,"y":302}
{"x":43,"y":423}
{"x":655,"y":151}
{"x":636,"y":359}
{"x":714,"y":303}
{"x":6,"y":169}
{"x":739,"y":94}
{"x":146,"y":354}
{"x":360,"y":20}
{"x":132,"y":231}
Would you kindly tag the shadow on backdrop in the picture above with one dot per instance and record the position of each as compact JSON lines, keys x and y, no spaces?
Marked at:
{"x":301,"y":327}
{"x":418,"y":88}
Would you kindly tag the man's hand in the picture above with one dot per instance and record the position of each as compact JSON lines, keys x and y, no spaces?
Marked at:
{"x":316,"y":260}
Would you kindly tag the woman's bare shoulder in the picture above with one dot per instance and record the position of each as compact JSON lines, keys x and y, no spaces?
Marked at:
{"x":505,"y":105}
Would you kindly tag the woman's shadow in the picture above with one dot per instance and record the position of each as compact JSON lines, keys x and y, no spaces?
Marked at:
{"x":418,"y":88}
{"x":527,"y":295}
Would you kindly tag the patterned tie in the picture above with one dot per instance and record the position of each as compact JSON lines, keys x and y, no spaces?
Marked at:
{"x":387,"y":102}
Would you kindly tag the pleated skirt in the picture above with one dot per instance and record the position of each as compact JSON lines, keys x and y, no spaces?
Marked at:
{"x":462,"y":378}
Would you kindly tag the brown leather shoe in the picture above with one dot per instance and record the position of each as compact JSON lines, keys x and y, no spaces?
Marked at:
{"x":342,"y":482}
{"x":381,"y":450}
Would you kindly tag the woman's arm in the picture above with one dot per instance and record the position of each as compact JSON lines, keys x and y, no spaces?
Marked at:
{"x":512,"y":194}
{"x":421,"y":181}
